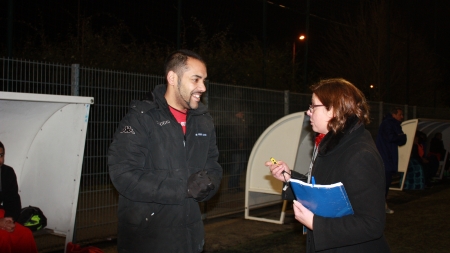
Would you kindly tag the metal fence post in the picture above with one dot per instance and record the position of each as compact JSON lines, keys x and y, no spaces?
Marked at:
{"x":380,"y":114}
{"x":405,"y":112}
{"x":75,"y":79}
{"x":205,"y":98}
{"x":205,"y":95}
{"x":286,"y":102}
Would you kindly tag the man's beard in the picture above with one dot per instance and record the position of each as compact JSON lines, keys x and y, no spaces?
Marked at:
{"x":181,"y":95}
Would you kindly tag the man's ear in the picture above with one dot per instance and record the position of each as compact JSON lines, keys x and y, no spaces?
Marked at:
{"x":172,"y":78}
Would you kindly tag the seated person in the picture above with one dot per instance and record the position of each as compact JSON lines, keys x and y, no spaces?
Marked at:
{"x":418,"y":154}
{"x":437,"y":147}
{"x":13,"y":236}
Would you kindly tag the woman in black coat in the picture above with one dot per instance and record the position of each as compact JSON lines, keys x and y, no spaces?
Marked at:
{"x":344,"y":152}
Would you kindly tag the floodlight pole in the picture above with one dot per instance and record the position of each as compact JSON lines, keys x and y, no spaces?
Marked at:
{"x":305,"y":63}
{"x":179,"y":26}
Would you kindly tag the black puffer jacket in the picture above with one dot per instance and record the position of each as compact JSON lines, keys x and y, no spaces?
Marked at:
{"x":350,"y":157}
{"x":390,"y":137}
{"x":149,"y":165}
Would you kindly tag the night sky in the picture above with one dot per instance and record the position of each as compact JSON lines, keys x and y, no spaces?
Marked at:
{"x":157,"y":20}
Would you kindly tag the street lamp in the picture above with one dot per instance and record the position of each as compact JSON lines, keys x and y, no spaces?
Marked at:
{"x":370,"y":91}
{"x":301,"y":37}
{"x":294,"y":53}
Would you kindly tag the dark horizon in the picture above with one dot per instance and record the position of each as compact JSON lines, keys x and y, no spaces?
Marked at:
{"x":157,"y":22}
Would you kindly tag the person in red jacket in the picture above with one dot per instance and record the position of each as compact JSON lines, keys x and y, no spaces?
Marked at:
{"x":13,"y":236}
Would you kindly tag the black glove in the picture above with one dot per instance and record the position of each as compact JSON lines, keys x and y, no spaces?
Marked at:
{"x":199,"y":185}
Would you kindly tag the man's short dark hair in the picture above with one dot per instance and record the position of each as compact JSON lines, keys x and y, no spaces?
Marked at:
{"x":1,"y":146}
{"x":176,"y":61}
{"x":395,"y":109}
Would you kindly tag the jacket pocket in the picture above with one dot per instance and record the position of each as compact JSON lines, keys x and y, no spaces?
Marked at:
{"x":139,"y":214}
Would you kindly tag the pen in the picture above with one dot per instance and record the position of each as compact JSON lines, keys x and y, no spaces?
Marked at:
{"x":313,"y":181}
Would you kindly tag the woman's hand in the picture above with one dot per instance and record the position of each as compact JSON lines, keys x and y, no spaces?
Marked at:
{"x":303,"y":215}
{"x":7,"y":224}
{"x":280,"y":170}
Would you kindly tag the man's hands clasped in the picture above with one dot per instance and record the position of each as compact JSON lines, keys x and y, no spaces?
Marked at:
{"x":199,"y":185}
{"x":7,"y":224}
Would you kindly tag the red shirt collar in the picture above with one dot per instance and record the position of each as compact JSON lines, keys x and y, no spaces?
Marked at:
{"x":319,"y":138}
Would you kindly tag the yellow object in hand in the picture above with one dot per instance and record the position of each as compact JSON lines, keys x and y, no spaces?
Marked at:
{"x":273,"y":160}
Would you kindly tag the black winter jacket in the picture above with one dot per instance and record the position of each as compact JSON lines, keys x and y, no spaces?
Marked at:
{"x":9,"y":193}
{"x":390,"y":137}
{"x":351,"y":157}
{"x":150,"y":161}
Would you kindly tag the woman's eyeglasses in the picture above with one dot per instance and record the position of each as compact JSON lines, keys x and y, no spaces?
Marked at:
{"x":311,"y":107}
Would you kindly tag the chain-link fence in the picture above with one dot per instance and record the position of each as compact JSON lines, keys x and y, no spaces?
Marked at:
{"x":240,"y":114}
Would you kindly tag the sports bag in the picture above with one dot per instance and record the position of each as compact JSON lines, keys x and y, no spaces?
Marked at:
{"x":33,"y":218}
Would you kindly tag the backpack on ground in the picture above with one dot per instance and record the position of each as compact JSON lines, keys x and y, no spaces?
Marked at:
{"x":33,"y":218}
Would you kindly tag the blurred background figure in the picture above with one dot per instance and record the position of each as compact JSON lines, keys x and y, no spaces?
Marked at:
{"x":390,"y":137}
{"x":437,"y":146}
{"x":239,"y":155}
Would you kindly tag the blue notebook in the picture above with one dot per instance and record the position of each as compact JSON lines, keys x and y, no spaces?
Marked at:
{"x":324,"y":200}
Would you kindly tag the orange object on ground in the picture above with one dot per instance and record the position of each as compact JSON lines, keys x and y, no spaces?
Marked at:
{"x":76,"y":248}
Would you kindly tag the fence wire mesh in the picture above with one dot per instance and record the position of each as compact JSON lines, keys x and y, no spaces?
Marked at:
{"x":241,"y":114}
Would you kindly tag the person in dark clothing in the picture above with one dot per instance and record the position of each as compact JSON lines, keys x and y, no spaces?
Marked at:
{"x":163,"y":161}
{"x":344,"y":152}
{"x":239,"y":156}
{"x":13,"y":236}
{"x":429,"y":164}
{"x":390,"y":137}
{"x":9,"y":190}
{"x":437,"y":146}
{"x":438,"y":151}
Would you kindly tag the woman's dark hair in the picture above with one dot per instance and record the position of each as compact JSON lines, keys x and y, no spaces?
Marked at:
{"x":344,"y":99}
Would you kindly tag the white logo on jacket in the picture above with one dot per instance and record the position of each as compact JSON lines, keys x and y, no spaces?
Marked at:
{"x":162,"y":123}
{"x":127,"y":130}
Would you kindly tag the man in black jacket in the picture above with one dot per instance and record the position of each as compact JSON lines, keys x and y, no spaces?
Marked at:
{"x":390,"y":137}
{"x":163,"y":161}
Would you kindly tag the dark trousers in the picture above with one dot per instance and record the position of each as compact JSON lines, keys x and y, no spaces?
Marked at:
{"x":430,"y":169}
